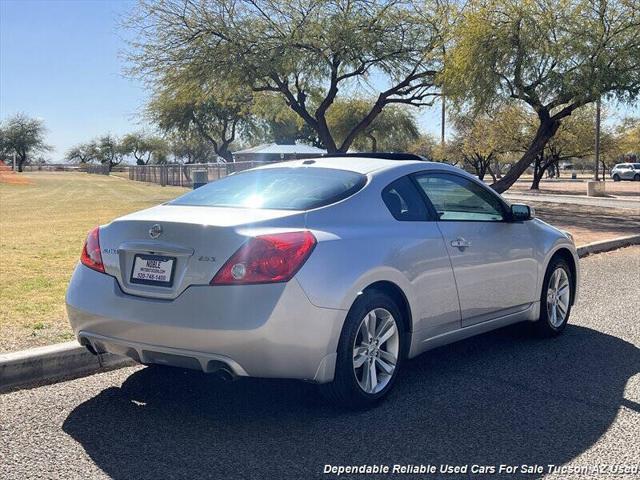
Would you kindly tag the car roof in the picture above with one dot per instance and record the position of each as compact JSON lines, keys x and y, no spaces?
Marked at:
{"x":362,"y":165}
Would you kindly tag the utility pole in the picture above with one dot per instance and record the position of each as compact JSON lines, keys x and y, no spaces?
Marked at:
{"x":443,"y":126}
{"x":597,"y":164}
{"x":444,"y":111}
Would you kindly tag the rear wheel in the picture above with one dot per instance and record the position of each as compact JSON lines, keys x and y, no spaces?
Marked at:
{"x":616,"y":177}
{"x":555,"y":302}
{"x":370,"y":352}
{"x":636,"y":177}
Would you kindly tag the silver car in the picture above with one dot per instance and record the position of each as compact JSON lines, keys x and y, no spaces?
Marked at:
{"x":626,"y":171}
{"x":332,"y":270}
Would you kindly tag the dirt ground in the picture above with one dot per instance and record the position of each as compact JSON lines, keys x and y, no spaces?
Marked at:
{"x":626,"y":189}
{"x":587,"y":223}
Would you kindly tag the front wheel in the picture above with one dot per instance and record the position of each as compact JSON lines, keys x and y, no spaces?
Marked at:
{"x":555,"y":301}
{"x":616,"y":178}
{"x":370,"y":352}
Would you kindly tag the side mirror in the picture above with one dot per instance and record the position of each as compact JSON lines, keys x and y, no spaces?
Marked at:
{"x":520,"y":212}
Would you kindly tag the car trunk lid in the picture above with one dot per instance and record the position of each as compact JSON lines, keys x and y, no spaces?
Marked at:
{"x":189,"y":243}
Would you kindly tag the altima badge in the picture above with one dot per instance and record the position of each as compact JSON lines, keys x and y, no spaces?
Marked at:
{"x":155,"y":231}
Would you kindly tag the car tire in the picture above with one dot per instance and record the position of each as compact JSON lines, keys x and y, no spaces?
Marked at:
{"x":349,"y":387}
{"x":554,"y":300}
{"x":616,"y":177}
{"x":636,"y":177}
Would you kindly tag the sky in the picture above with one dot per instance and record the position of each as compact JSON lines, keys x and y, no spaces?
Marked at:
{"x":61,"y":61}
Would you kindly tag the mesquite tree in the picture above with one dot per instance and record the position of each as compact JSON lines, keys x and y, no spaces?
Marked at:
{"x":305,"y":51}
{"x":555,"y":56}
{"x":23,"y":137}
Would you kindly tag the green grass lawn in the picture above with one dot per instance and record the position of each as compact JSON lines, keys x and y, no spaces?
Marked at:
{"x":42,"y":229}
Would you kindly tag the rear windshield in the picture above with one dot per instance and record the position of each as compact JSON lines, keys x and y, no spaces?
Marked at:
{"x":286,"y":188}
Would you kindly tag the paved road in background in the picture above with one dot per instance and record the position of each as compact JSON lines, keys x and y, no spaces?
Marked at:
{"x":626,"y":202}
{"x":502,"y":398}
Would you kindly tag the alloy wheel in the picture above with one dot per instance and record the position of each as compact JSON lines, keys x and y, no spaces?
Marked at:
{"x":375,"y":350}
{"x":558,"y":297}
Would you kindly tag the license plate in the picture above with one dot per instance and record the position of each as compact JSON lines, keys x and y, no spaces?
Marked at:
{"x":153,"y":270}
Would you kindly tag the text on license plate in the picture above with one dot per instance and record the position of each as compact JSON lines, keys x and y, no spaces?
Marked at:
{"x":153,"y":270}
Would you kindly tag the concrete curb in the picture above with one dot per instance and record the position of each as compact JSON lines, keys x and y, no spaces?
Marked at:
{"x":45,"y":365}
{"x":607,"y":245}
{"x":48,"y":364}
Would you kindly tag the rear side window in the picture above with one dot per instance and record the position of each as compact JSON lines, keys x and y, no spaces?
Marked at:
{"x":281,"y":188}
{"x":456,"y":198}
{"x":404,"y":201}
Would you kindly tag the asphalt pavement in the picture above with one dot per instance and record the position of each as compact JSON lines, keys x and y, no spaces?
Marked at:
{"x":501,"y":398}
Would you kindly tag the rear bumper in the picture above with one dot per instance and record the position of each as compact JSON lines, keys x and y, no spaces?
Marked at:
{"x":155,"y":354}
{"x":254,"y":330}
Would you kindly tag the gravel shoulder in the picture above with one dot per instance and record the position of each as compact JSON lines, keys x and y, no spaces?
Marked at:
{"x":501,"y":398}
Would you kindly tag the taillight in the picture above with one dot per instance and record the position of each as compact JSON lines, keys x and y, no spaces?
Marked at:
{"x":91,"y":256}
{"x":267,"y":259}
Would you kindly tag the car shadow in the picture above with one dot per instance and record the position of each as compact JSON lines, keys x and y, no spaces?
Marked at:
{"x":501,"y":398}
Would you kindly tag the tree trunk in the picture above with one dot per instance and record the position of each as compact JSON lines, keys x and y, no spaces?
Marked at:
{"x":186,"y":173}
{"x":491,"y":172}
{"x":539,"y":168}
{"x":225,"y":153}
{"x":544,"y":164}
{"x":496,"y":171}
{"x":481,"y":171}
{"x":537,"y":176}
{"x":22,"y":159}
{"x":374,"y":142}
{"x":546,"y":130}
{"x":326,"y":138}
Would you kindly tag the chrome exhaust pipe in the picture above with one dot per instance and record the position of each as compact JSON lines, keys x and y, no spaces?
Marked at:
{"x":225,"y":375}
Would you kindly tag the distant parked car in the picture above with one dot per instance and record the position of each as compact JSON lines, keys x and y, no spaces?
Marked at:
{"x":331,"y":270}
{"x":626,"y":171}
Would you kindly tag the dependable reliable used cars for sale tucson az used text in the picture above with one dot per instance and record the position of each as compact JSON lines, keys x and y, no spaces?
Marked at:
{"x":332,"y":270}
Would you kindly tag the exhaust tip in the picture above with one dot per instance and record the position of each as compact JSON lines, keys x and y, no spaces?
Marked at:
{"x":224,"y":375}
{"x":220,"y":370}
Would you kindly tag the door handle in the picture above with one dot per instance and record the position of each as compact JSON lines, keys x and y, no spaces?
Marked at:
{"x":460,"y":243}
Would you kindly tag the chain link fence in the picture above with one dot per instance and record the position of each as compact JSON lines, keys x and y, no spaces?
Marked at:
{"x":52,"y":168}
{"x":97,"y":169}
{"x":181,"y":175}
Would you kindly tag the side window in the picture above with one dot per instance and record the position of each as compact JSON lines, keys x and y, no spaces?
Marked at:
{"x":456,"y":198}
{"x":404,"y":201}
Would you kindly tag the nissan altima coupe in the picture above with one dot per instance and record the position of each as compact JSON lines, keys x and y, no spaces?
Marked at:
{"x":332,"y":270}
